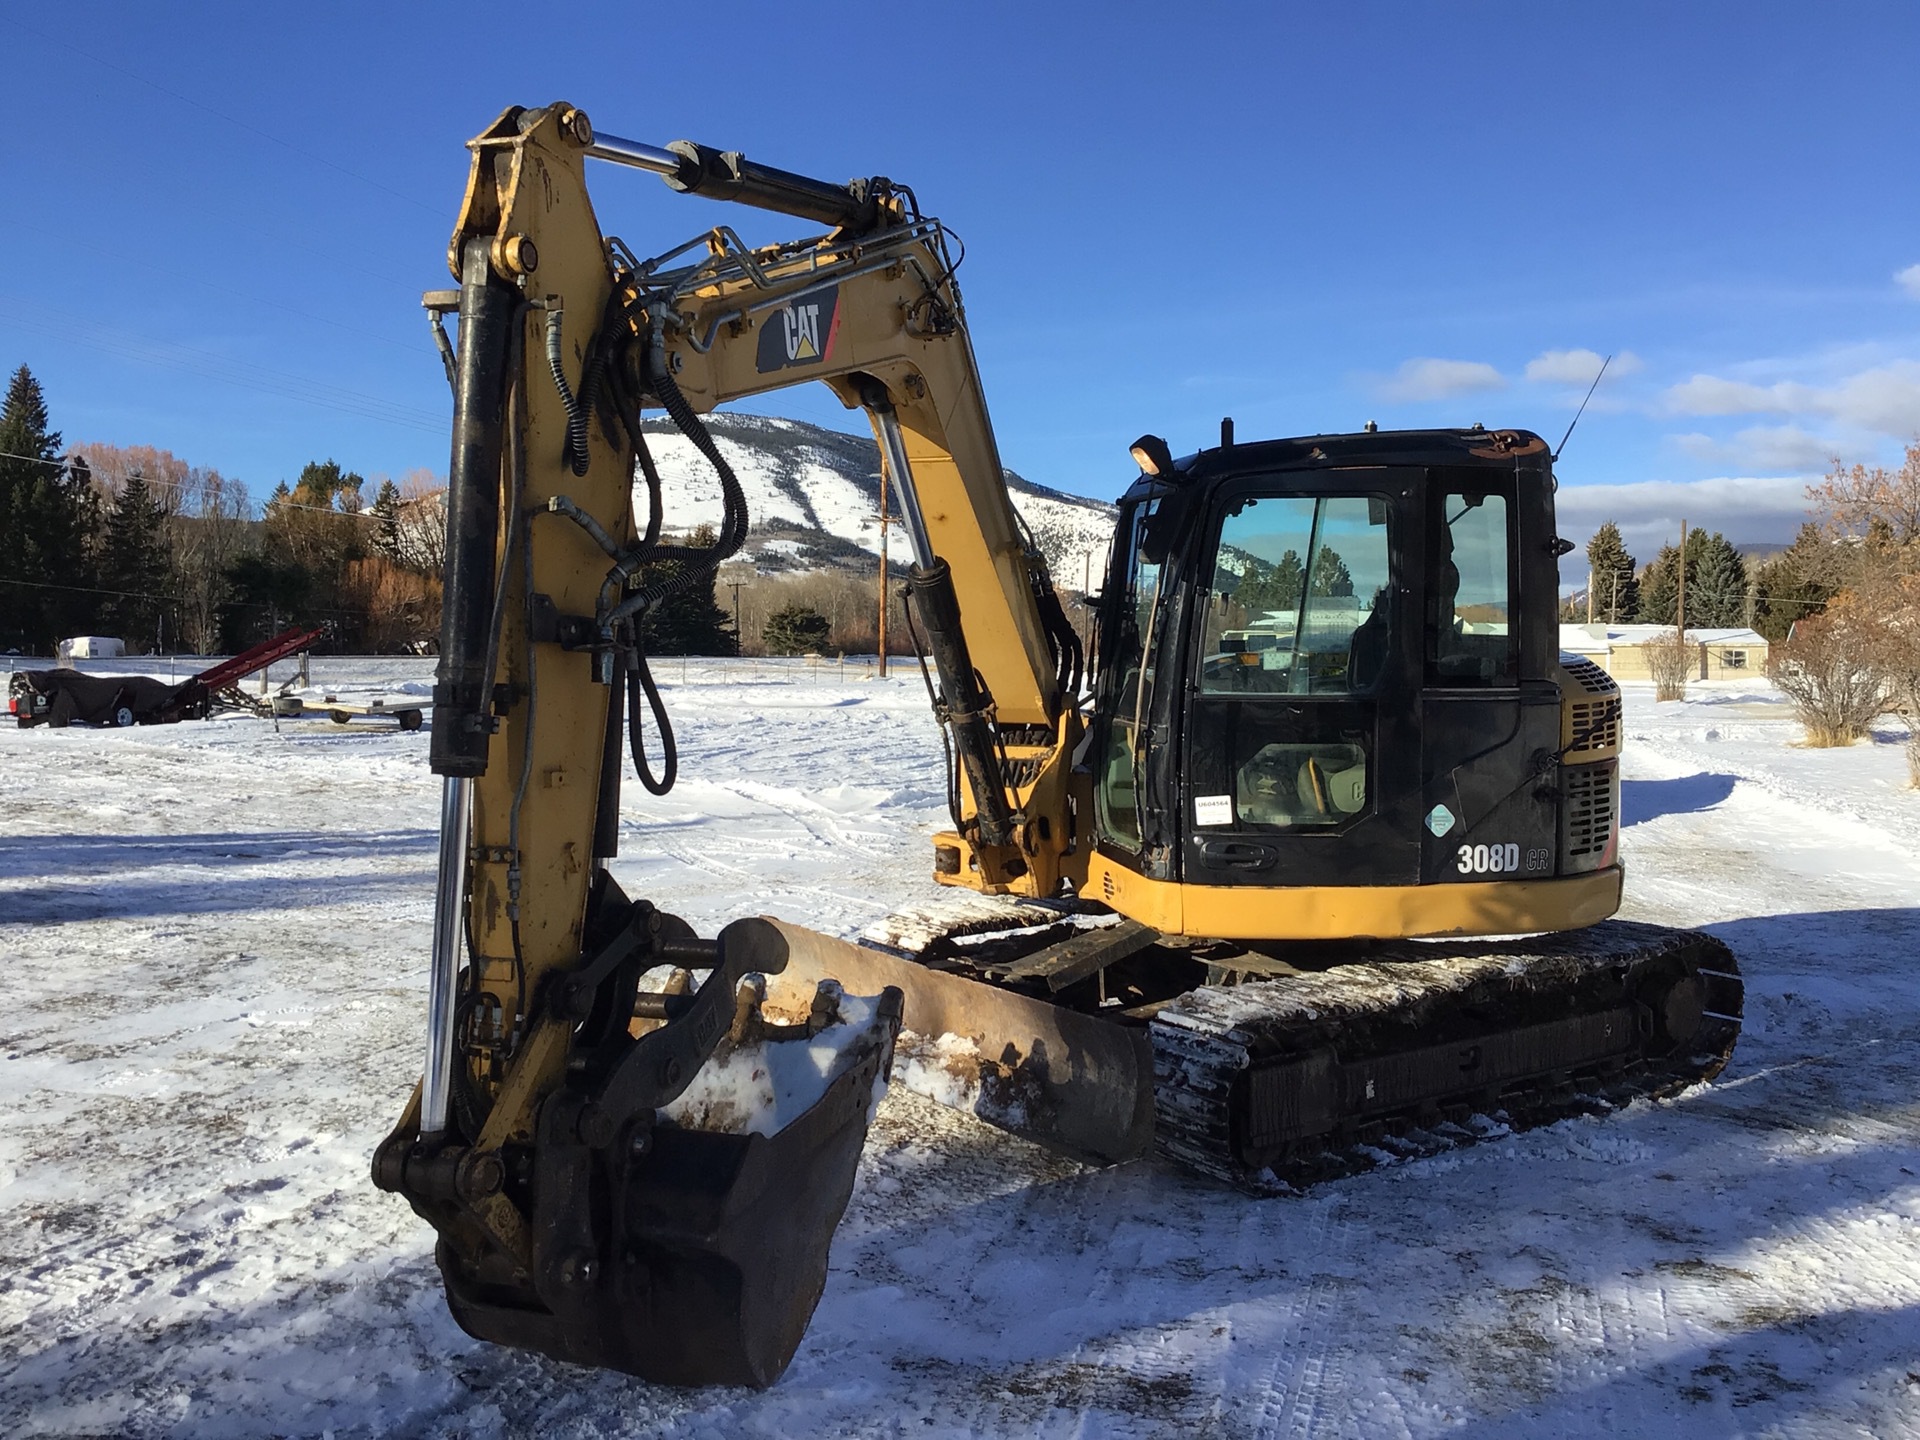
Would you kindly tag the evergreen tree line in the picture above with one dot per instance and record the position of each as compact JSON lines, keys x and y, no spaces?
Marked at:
{"x":1276,"y":585}
{"x":134,"y":543}
{"x":1722,"y":589}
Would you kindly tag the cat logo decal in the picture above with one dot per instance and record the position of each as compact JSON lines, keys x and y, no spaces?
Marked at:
{"x":800,"y":332}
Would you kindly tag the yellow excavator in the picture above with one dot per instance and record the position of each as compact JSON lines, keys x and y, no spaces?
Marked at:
{"x":1313,"y":863}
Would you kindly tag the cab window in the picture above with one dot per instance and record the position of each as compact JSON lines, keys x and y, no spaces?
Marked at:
{"x":1126,"y":676}
{"x":1298,"y":604}
{"x":1470,"y":638}
{"x":1295,"y":638}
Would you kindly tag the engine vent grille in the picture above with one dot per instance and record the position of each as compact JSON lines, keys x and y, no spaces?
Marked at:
{"x":1589,"y":676}
{"x":1587,"y":822}
{"x":1596,"y":725}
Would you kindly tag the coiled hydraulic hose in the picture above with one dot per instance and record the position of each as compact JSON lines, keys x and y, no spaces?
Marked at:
{"x":578,"y":407}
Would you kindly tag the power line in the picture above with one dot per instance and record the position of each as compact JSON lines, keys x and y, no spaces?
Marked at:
{"x":61,"y":462}
{"x":215,"y":367}
{"x":177,"y":600}
{"x":316,"y":156}
{"x":225,"y":289}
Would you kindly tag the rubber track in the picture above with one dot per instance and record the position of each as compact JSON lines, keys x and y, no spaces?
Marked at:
{"x":1414,"y":996}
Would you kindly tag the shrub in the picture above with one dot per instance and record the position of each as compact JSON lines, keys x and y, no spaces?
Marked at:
{"x":402,"y":608}
{"x":1828,"y":669}
{"x":1670,"y":659}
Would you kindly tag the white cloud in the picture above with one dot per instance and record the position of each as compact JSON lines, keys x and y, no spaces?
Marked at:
{"x":1748,"y":510}
{"x":1767,"y":448}
{"x":1578,"y":367}
{"x":1909,"y":280}
{"x":1885,"y":398}
{"x":1424,"y":378}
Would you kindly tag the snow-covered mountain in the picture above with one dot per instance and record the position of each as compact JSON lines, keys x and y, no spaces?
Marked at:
{"x":815,"y":494}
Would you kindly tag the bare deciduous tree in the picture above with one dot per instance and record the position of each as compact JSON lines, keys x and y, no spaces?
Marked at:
{"x":206,"y":521}
{"x":402,"y":608}
{"x":850,"y":602}
{"x":421,"y":522}
{"x":1888,"y":611}
{"x":1860,"y":500}
{"x":214,"y":529}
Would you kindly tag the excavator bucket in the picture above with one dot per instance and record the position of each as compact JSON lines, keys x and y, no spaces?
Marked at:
{"x":676,"y":1206}
{"x":715,"y":1251}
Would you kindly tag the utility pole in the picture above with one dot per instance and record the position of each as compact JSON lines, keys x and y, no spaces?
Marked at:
{"x":1086,"y":602}
{"x":1680,"y":603}
{"x":734,"y":585}
{"x":1590,"y":594}
{"x":883,"y":570}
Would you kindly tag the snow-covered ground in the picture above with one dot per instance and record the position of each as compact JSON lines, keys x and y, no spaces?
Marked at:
{"x":214,"y":939}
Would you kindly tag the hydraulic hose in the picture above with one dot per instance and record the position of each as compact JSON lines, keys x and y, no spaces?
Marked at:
{"x":640,"y":678}
{"x":578,"y":407}
{"x":733,"y":525}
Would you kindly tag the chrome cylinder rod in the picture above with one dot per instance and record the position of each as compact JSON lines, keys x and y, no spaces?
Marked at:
{"x":634,"y":153}
{"x":894,"y":446}
{"x":443,"y":979}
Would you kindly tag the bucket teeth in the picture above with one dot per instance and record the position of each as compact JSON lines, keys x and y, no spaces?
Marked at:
{"x":749,"y":1018}
{"x":825,"y":1011}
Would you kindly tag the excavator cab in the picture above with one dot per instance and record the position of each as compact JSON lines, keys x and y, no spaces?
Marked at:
{"x":1330,"y":663}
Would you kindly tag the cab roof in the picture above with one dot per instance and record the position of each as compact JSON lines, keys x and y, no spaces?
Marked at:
{"x":1473,"y":446}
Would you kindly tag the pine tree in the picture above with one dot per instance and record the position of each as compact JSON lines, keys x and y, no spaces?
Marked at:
{"x":1793,"y":584}
{"x":796,"y":630}
{"x":1659,"y":587}
{"x":47,"y":515}
{"x":134,"y":564}
{"x":386,"y":521}
{"x":1264,"y":587}
{"x":690,"y":621}
{"x":1330,"y":574}
{"x":1660,"y":581}
{"x":1717,"y":586}
{"x":1616,"y":593}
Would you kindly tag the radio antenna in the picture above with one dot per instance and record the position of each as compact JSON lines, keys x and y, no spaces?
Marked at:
{"x":1581,"y":411}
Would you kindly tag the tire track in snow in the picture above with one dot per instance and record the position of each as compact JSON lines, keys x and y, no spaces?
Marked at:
{"x":1299,"y":1394}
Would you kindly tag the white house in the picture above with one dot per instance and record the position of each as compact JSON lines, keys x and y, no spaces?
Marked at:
{"x":1620,"y":650}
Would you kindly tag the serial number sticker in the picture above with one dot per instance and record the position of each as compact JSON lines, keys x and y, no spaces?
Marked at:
{"x":1213,"y":810}
{"x":1488,"y":859}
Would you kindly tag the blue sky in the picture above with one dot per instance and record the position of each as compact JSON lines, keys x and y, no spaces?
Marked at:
{"x":220,"y":218}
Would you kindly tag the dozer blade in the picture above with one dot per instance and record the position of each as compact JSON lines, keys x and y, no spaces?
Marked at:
{"x":1074,"y":1082}
{"x":1274,"y":1084}
{"x":679,"y":1203}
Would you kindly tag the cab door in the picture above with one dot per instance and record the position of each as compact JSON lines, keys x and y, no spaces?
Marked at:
{"x":1302,"y":740}
{"x":1490,"y":735}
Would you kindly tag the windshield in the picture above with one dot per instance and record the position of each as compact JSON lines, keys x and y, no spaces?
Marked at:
{"x":1298,"y":602}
